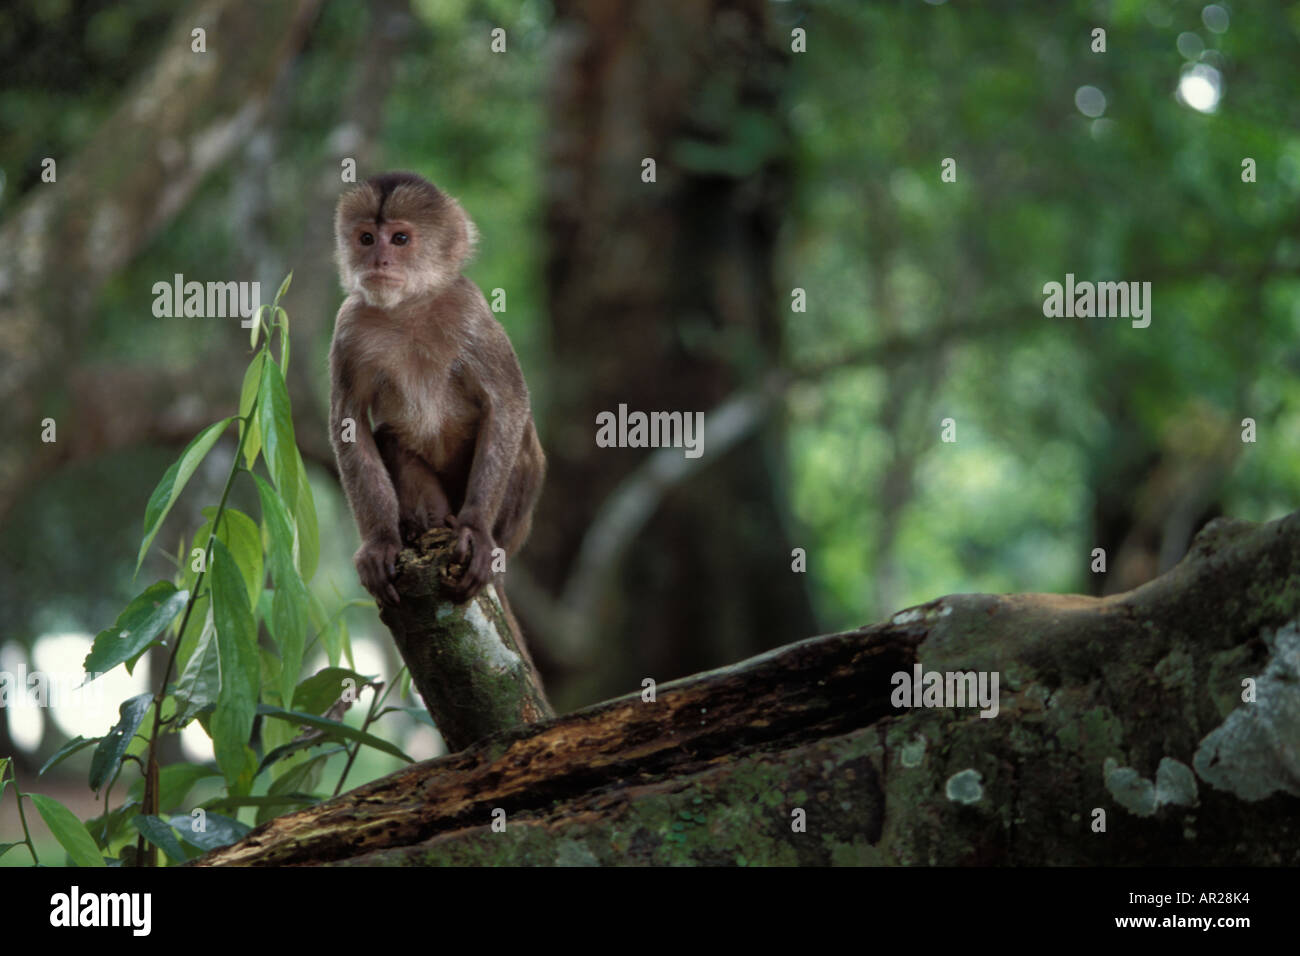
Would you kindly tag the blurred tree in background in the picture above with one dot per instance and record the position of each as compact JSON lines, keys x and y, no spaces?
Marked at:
{"x":776,"y":171}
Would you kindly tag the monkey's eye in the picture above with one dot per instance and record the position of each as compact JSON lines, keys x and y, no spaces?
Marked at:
{"x":400,"y":238}
{"x":367,"y":239}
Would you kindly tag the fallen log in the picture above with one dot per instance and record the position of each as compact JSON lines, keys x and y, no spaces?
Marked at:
{"x":1121,"y":737}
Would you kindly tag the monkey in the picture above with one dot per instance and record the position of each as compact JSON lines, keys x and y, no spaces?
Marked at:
{"x":453,"y":443}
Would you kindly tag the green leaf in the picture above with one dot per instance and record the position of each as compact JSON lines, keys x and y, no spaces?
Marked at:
{"x":158,"y":832}
{"x":345,"y":642}
{"x":319,"y":691}
{"x":263,"y":609}
{"x":292,"y":747}
{"x":173,"y":483}
{"x":243,"y":784}
{"x":282,"y":319}
{"x":189,"y":576}
{"x":284,"y":287}
{"x":4,"y":765}
{"x":308,"y":527}
{"x":108,"y":755}
{"x":252,"y":379}
{"x":289,"y":603}
{"x":248,"y":406}
{"x":269,"y":677}
{"x":220,"y":830}
{"x":253,"y":443}
{"x":6,"y":847}
{"x":67,"y":750}
{"x":109,"y":826}
{"x":236,"y":639}
{"x":279,"y":532}
{"x":281,"y":800}
{"x":68,"y":830}
{"x":244,"y":539}
{"x":277,"y":433}
{"x":289,"y":614}
{"x":136,"y":628}
{"x":328,"y":630}
{"x":200,"y":682}
{"x":194,"y":624}
{"x":419,"y":713}
{"x":175,"y":781}
{"x":304,"y":777}
{"x":334,"y":729}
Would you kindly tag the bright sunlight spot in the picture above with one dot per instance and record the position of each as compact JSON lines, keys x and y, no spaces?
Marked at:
{"x":1200,"y":88}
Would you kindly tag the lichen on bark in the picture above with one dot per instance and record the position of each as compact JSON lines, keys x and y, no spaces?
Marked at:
{"x":467,"y":660}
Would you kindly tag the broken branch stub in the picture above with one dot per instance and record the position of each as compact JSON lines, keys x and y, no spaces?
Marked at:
{"x":468,"y":661}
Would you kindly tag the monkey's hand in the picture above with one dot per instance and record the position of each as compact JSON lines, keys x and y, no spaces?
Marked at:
{"x":474,"y":548}
{"x":376,"y":562}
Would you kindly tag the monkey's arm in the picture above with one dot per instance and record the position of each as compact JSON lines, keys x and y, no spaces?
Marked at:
{"x":367,"y":484}
{"x":499,"y":437}
{"x":505,"y":414}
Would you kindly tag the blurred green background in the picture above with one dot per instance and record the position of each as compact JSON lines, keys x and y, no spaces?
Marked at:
{"x":776,"y":170}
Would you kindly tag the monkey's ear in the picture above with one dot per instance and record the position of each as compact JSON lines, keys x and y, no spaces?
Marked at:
{"x":471,"y":237}
{"x":462,"y":239}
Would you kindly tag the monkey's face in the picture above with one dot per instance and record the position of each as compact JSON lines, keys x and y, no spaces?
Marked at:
{"x":386,"y":267}
{"x":399,"y":237}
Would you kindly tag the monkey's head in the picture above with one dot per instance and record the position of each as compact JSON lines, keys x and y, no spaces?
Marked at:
{"x":398,"y":237}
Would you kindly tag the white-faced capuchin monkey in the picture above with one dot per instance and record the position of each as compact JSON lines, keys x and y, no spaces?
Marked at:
{"x":416,"y":347}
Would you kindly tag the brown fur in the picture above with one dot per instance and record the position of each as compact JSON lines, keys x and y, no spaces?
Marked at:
{"x":417,"y":348}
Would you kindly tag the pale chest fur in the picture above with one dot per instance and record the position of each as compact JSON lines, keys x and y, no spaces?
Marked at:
{"x":410,"y":390}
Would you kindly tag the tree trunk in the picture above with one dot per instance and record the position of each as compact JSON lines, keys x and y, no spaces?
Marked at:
{"x":182,"y":120}
{"x":662,"y":297}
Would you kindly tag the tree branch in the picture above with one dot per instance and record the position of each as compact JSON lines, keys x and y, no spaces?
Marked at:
{"x":568,"y":624}
{"x":1129,"y":704}
{"x":468,"y":660}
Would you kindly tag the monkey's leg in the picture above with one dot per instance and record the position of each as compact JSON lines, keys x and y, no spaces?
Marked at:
{"x":425,"y":504}
{"x":515,"y":519}
{"x":421,"y":502}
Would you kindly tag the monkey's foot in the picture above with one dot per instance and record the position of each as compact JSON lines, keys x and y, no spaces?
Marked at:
{"x":412,"y":528}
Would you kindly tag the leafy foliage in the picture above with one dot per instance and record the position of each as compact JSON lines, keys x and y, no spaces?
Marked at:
{"x":1060,"y":420}
{"x":221,"y":670}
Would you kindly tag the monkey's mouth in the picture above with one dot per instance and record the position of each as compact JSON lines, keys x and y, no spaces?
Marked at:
{"x":376,"y":275}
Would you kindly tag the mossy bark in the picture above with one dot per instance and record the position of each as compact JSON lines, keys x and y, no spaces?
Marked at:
{"x":468,"y":661}
{"x":1126,"y":710}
